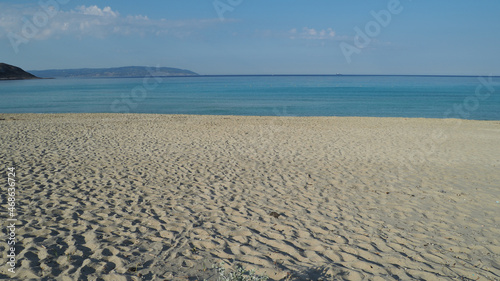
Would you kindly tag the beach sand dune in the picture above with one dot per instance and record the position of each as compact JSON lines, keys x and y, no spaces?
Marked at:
{"x":164,"y":197}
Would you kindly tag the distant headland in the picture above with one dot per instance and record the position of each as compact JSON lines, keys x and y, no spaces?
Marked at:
{"x":115,"y":72}
{"x":10,"y":72}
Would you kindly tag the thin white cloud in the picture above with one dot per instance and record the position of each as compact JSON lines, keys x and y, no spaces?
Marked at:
{"x":35,"y":22}
{"x":312,"y":33}
{"x":96,"y":11}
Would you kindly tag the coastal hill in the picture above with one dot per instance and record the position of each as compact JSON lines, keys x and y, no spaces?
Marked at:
{"x":115,"y":72}
{"x":10,"y":72}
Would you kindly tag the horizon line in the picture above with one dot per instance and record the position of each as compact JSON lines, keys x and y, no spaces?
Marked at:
{"x":340,"y":74}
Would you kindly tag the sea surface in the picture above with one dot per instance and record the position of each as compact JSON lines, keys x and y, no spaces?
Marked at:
{"x":377,"y":96}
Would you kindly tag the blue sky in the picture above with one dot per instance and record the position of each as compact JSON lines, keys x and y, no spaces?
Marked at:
{"x":460,"y":37}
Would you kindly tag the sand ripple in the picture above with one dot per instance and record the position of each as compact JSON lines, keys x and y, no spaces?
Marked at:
{"x":154,"y":197}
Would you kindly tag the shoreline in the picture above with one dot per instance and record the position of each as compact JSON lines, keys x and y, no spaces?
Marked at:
{"x":167,"y":196}
{"x":97,"y":114}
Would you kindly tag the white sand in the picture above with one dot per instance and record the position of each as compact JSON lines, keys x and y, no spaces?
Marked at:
{"x":162,"y":197}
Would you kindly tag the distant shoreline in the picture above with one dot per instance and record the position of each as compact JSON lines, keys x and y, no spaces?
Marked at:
{"x":17,"y":79}
{"x":276,"y":75}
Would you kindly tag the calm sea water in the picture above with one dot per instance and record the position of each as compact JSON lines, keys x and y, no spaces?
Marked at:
{"x":377,"y":96}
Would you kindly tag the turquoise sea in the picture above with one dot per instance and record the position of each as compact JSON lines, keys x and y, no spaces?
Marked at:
{"x":378,"y":96}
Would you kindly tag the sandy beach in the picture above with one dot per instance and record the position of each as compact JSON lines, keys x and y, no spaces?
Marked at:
{"x":165,"y":197}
